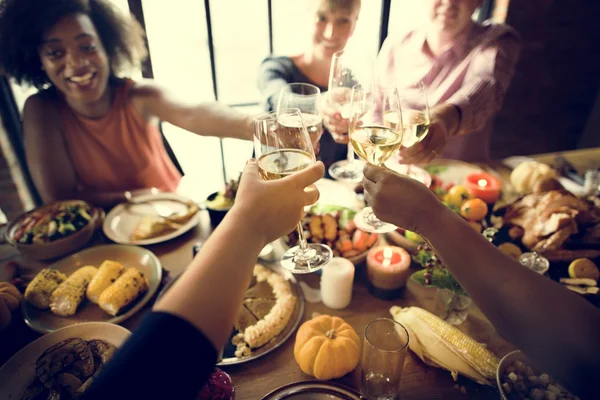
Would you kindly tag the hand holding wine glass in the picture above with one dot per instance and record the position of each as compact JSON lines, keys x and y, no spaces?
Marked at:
{"x":376,"y":134}
{"x":283,"y":147}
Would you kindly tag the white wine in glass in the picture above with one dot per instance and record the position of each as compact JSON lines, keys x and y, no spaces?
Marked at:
{"x":304,"y":97}
{"x":283,"y":147}
{"x":345,"y":73}
{"x":375,"y":138}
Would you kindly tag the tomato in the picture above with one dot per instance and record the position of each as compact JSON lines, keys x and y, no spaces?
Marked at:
{"x":457,"y":195}
{"x":474,"y":209}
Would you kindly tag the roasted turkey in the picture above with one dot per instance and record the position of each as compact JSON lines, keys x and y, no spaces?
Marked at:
{"x":549,"y":221}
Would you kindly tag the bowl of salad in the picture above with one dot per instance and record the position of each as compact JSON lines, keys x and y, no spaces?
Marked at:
{"x":55,"y":229}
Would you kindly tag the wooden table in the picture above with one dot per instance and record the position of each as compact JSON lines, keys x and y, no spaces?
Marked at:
{"x":255,"y":379}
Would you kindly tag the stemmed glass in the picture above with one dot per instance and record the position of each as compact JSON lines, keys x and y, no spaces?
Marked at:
{"x":342,"y":77}
{"x":304,"y":97}
{"x":415,"y":115}
{"x":282,"y":147}
{"x":376,"y":134}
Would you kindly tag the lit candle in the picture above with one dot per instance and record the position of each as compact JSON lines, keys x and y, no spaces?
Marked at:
{"x":387,"y":270}
{"x":483,"y":186}
{"x":336,"y":283}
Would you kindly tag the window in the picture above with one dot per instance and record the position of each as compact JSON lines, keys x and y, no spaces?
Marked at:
{"x":180,"y":50}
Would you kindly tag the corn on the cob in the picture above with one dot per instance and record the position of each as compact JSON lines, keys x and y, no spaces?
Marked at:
{"x":440,"y":344}
{"x":69,"y":294}
{"x":126,"y":289}
{"x":107,"y":274}
{"x":40,"y":289}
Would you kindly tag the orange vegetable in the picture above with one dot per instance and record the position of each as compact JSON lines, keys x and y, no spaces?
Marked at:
{"x":360,"y":240}
{"x":372,"y":240}
{"x":345,"y":245}
{"x":474,"y":209}
{"x":351,"y":253}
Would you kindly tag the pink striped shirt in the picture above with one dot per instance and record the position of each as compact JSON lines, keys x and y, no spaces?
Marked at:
{"x":473,"y":74}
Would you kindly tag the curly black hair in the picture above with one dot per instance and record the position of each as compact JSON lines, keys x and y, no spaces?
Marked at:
{"x":24,"y":22}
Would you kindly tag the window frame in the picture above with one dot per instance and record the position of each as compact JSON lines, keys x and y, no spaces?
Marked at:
{"x":11,"y":116}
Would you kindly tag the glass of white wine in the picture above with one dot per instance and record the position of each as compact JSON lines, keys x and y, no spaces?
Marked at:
{"x":374,"y":139}
{"x":345,"y":73}
{"x":304,"y":97}
{"x":282,"y":147}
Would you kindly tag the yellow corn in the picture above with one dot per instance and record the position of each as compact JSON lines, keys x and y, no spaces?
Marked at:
{"x":440,"y":344}
{"x":40,"y":289}
{"x":69,"y":294}
{"x":107,"y":274}
{"x":126,"y":289}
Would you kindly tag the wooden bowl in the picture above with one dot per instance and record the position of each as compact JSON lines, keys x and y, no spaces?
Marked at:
{"x":59,"y":247}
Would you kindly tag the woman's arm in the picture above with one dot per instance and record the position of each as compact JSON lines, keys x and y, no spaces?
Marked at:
{"x":206,"y":119}
{"x":263,"y":212}
{"x":555,"y":327}
{"x":272,"y":76}
{"x":174,"y":350}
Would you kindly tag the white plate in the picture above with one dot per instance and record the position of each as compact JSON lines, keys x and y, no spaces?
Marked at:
{"x":122,"y":220}
{"x":338,"y":193}
{"x":19,"y":371}
{"x":44,"y":321}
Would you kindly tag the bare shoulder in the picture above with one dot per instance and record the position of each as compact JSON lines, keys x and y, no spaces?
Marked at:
{"x":41,"y":112}
{"x":144,"y":93}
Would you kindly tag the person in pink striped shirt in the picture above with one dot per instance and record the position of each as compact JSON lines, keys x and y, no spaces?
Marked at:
{"x":466,"y":68}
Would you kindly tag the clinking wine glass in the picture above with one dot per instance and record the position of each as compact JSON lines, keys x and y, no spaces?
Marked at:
{"x":282,"y":147}
{"x":374,"y":138}
{"x":345,"y":73}
{"x":415,"y":116}
{"x":304,"y":97}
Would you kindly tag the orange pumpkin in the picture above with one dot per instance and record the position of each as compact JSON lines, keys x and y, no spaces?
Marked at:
{"x":326,"y":347}
{"x":10,"y":298}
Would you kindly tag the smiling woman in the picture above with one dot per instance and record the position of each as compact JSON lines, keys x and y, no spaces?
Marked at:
{"x":91,"y":133}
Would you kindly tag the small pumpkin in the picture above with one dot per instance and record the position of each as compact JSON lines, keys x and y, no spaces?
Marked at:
{"x":326,"y":347}
{"x":10,"y":298}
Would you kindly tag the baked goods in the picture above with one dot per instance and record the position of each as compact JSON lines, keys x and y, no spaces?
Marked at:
{"x":529,"y":177}
{"x":265,"y":312}
{"x":151,"y":226}
{"x":10,"y":298}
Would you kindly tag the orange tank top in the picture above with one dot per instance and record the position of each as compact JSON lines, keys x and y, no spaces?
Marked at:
{"x":119,"y":151}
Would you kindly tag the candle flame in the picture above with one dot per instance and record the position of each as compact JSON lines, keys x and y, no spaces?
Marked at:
{"x":387,"y":257}
{"x":482,"y":183}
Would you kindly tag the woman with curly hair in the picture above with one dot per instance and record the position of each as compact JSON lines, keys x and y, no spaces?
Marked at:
{"x":88,"y":132}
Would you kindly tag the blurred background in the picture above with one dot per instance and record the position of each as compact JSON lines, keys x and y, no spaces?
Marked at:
{"x":209,"y":50}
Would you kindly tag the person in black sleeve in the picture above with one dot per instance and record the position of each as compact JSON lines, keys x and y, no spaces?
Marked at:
{"x":174,"y":350}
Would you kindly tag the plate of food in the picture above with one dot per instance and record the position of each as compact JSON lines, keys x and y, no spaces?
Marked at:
{"x":517,"y":379}
{"x":150,"y":219}
{"x":314,"y":390}
{"x":55,"y":229}
{"x":62,"y":363}
{"x":334,"y":226}
{"x":103,"y":284}
{"x":272,"y":309}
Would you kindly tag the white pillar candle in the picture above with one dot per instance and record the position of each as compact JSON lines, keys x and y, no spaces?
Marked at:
{"x":336,"y":283}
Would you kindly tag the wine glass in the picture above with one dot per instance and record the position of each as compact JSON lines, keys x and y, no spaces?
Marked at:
{"x":304,"y":97}
{"x":342,"y":77}
{"x":282,"y":146}
{"x":415,"y":115}
{"x":375,"y":138}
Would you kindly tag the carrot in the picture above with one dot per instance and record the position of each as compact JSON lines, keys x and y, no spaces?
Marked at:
{"x":360,"y":239}
{"x":372,"y":240}
{"x":345,"y":245}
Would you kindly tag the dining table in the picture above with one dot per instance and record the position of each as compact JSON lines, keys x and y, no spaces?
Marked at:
{"x":255,"y":379}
